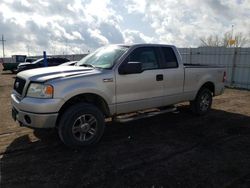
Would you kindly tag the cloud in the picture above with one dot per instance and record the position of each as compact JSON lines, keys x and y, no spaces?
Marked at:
{"x":133,"y":36}
{"x":76,"y":24}
{"x":111,"y":32}
{"x":183,"y":22}
{"x":96,"y":34}
{"x":22,"y":6}
{"x":69,"y":26}
{"x":136,"y":6}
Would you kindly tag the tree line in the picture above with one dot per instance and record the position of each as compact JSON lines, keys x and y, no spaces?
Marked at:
{"x":227,"y":40}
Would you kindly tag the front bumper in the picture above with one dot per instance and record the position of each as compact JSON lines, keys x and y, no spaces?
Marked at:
{"x":32,"y":114}
{"x":34,"y":120}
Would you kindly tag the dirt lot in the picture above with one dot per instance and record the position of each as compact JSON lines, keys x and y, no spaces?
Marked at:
{"x":170,"y":150}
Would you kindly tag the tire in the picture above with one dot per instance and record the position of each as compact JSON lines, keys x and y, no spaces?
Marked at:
{"x":81,"y":125}
{"x":202,"y":103}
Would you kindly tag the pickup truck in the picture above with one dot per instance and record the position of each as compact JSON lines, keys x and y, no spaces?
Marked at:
{"x":109,"y":83}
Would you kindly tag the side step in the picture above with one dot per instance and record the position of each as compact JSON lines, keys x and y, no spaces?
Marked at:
{"x":144,"y":114}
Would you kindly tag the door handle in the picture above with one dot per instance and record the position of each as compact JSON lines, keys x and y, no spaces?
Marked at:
{"x":159,"y":77}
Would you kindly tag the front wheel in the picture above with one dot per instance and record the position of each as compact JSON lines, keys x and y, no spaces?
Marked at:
{"x":202,"y":103}
{"x":81,"y":125}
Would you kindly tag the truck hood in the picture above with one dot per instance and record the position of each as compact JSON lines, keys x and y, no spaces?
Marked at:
{"x":50,"y":73}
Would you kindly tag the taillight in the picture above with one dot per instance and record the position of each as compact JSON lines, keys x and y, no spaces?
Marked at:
{"x":224,"y":76}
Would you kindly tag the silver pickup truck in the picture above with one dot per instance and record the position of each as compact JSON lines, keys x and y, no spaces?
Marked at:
{"x":108,"y":83}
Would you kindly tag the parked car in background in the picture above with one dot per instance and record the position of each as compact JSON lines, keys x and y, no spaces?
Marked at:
{"x":52,"y":61}
{"x":15,"y":60}
{"x":70,"y":63}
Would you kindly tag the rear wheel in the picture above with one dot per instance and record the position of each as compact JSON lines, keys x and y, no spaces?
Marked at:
{"x":81,"y":125}
{"x":202,"y":103}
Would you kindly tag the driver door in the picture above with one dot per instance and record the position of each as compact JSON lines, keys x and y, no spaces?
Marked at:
{"x":140,"y":90}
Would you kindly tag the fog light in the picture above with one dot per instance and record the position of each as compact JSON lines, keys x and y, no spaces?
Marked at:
{"x":27,"y":119}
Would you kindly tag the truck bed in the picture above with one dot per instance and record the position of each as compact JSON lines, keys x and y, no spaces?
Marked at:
{"x":195,"y":74}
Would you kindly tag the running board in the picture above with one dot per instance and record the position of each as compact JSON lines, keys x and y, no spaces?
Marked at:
{"x":143,"y":114}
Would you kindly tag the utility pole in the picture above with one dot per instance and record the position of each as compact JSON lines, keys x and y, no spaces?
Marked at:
{"x":3,"y":44}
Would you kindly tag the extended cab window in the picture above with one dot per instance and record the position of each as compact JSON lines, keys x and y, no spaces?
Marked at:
{"x":147,"y":56}
{"x":170,"y":60}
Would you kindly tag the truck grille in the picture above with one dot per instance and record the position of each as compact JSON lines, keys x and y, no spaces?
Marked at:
{"x":19,"y":85}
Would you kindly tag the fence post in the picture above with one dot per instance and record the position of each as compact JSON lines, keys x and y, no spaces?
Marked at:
{"x":45,"y":63}
{"x":234,"y":67}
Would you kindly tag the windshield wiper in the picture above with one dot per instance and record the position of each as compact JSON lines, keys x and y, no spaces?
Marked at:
{"x":87,"y":65}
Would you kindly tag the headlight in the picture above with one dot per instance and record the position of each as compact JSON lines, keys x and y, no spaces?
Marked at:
{"x":37,"y":90}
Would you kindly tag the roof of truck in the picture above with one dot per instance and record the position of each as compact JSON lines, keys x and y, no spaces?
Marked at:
{"x":145,"y":45}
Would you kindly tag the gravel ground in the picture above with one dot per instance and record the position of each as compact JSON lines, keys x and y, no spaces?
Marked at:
{"x":170,"y":150}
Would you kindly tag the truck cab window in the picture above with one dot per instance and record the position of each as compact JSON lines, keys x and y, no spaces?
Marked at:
{"x":170,"y":60}
{"x":145,"y":55}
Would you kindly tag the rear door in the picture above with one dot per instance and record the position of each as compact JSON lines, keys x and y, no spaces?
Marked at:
{"x":173,"y":76}
{"x":140,"y":90}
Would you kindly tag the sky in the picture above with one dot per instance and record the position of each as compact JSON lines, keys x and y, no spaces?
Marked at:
{"x":78,"y":26}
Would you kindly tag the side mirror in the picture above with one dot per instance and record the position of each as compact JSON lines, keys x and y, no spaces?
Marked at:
{"x":130,"y":68}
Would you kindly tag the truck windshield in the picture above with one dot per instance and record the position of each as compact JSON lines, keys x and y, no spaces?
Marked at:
{"x":103,"y":57}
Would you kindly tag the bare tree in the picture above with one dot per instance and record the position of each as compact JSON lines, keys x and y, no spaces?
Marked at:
{"x":225,"y":40}
{"x":239,"y":40}
{"x":212,"y":40}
